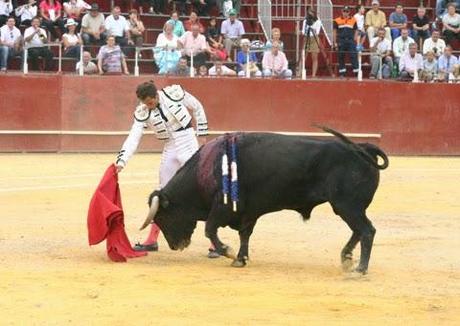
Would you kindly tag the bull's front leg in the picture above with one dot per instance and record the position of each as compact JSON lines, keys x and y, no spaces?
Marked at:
{"x":221,"y":248}
{"x":243,"y":255}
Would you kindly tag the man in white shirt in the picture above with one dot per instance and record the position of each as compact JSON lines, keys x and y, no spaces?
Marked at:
{"x":167,"y":112}
{"x":401,"y":44}
{"x":232,"y":30}
{"x":381,"y":61}
{"x":10,"y":43}
{"x":26,"y":12}
{"x":219,"y":69}
{"x":410,"y":62}
{"x":89,"y":67}
{"x":435,"y":44}
{"x":6,"y":7}
{"x":195,"y":42}
{"x":116,"y":25}
{"x":35,"y":40}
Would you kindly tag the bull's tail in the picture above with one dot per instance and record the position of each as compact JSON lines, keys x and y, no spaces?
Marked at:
{"x":368,"y":152}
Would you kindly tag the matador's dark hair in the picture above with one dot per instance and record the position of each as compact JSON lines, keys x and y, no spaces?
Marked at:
{"x":147,"y":89}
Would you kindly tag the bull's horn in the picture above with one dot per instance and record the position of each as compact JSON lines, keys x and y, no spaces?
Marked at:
{"x":153,"y":211}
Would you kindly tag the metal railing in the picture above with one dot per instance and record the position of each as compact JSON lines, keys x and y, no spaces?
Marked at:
{"x":25,"y":66}
{"x":264,"y":14}
{"x":325,"y":11}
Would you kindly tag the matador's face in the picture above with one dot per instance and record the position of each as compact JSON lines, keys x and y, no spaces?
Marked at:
{"x":150,"y":102}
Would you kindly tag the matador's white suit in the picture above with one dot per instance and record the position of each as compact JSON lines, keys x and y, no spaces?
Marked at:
{"x":172,"y":122}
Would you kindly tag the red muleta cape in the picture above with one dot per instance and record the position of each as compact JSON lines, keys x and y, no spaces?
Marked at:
{"x":106,"y":221}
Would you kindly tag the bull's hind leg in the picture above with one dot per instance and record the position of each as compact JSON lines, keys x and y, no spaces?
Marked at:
{"x":347,"y":251}
{"x":364,"y":232}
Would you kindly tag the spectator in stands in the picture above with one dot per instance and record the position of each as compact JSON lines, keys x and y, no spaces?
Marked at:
{"x":92,"y":26}
{"x":275,"y":63}
{"x":232,"y":30}
{"x":401,"y":44}
{"x":159,"y":6}
{"x":136,"y":28}
{"x":451,"y":24}
{"x":219,"y":69}
{"x":194,"y":43}
{"x":410,"y":62}
{"x":420,"y":27}
{"x":71,"y":40}
{"x":75,"y":9}
{"x":178,"y":27}
{"x":375,"y":19}
{"x":344,"y":36}
{"x":381,"y":61}
{"x":242,"y":60}
{"x":182,"y":68}
{"x":430,"y":67}
{"x":27,"y":12}
{"x":435,"y":44}
{"x":203,"y":71}
{"x":111,"y":59}
{"x":35,"y":40}
{"x":311,"y":28}
{"x":361,"y":34}
{"x":276,"y":37}
{"x":50,"y":11}
{"x":203,"y":6}
{"x":213,"y":32}
{"x":441,"y":6}
{"x":193,"y":20}
{"x":398,"y":21}
{"x":448,"y":65}
{"x":6,"y":8}
{"x":89,"y":67}
{"x":10,"y":43}
{"x":117,"y":26}
{"x":217,"y":50}
{"x":166,"y":52}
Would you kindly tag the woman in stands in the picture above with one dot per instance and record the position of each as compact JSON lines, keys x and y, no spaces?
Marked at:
{"x":166,"y":51}
{"x":310,"y":30}
{"x":276,"y":37}
{"x":111,"y":59}
{"x":50,"y":11}
{"x":71,"y":40}
{"x":136,"y":28}
{"x":178,"y":27}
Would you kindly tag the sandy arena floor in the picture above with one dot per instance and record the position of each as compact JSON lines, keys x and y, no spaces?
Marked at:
{"x":49,"y":274}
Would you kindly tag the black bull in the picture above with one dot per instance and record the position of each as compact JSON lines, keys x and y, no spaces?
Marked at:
{"x":275,"y":172}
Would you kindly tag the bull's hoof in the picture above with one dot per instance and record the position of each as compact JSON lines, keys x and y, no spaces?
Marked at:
{"x":239,"y":263}
{"x":347,"y":265}
{"x":361,"y":270}
{"x":228,"y":252}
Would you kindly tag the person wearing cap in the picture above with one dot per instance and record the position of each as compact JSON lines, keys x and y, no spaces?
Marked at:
{"x":375,"y":19}
{"x":398,"y":21}
{"x":345,"y":34}
{"x":71,"y":40}
{"x":242,"y":60}
{"x":92,"y":27}
{"x":232,"y":30}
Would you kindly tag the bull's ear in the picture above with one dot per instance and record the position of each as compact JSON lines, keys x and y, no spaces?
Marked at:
{"x":164,"y":201}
